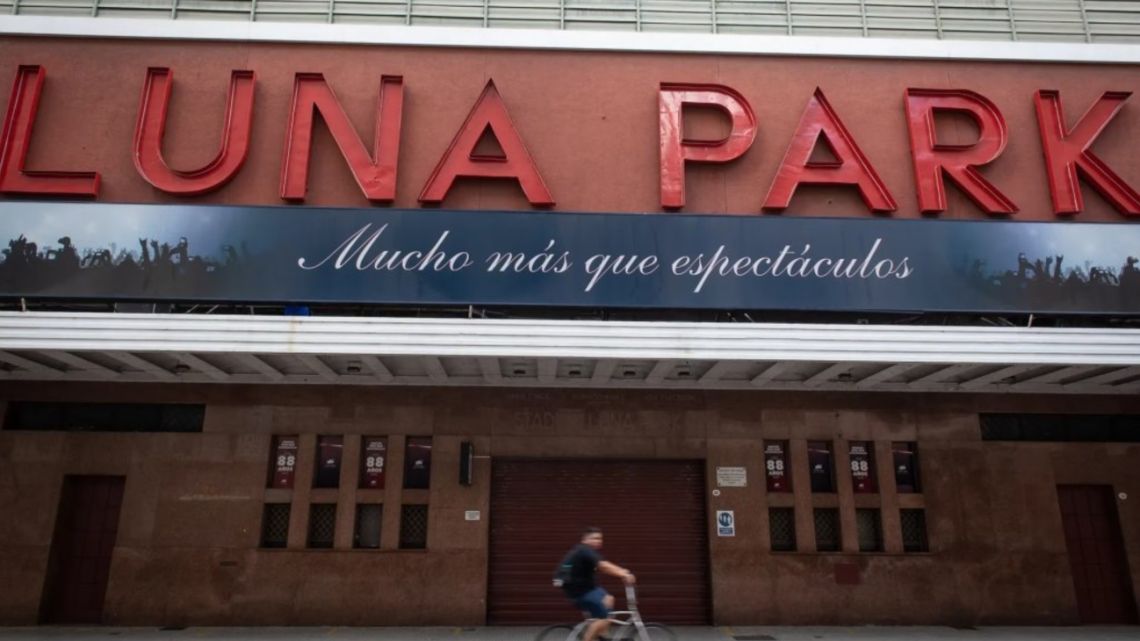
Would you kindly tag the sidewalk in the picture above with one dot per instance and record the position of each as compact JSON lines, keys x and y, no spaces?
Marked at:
{"x":750,"y":633}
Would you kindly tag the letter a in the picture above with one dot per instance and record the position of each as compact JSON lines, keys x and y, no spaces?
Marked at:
{"x":460,"y":159}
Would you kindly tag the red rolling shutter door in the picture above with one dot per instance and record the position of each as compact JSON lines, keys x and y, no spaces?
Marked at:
{"x":653,"y":517}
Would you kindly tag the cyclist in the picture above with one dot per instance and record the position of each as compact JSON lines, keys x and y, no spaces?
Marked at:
{"x":576,"y":578}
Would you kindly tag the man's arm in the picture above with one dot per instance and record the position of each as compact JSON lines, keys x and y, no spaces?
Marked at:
{"x":615,"y":570}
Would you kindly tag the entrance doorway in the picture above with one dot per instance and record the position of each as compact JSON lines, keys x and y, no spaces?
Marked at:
{"x":85,"y":529}
{"x":1096,"y":554}
{"x":652,"y":515}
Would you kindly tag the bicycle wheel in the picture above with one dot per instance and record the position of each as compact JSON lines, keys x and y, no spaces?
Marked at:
{"x":657,"y":632}
{"x":558,"y":632}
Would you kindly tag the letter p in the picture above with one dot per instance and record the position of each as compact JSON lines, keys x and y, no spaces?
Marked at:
{"x":676,"y":150}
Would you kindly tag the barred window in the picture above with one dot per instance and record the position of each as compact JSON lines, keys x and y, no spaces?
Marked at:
{"x":322,"y":525}
{"x":827,"y":538}
{"x":275,"y":525}
{"x":869,"y":525}
{"x":914,"y":530}
{"x":413,"y":527}
{"x":368,"y":519}
{"x":782,"y":529}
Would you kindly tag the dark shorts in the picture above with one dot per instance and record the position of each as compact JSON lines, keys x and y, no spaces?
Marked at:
{"x":594,"y":603}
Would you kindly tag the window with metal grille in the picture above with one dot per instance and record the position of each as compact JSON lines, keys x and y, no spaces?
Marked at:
{"x":322,"y":525}
{"x":782,"y":529}
{"x":870,"y":530}
{"x":368,"y":519}
{"x":913,"y":530}
{"x":821,"y":467}
{"x":275,"y":525}
{"x":329,"y":450}
{"x":827,"y":537}
{"x":413,"y":527}
{"x":105,"y":417}
{"x":417,"y":463}
{"x":906,"y":467}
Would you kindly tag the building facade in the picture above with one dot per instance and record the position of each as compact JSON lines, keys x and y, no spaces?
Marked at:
{"x":931,"y":418}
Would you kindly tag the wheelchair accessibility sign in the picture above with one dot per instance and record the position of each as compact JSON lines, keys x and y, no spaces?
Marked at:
{"x":725,"y":523}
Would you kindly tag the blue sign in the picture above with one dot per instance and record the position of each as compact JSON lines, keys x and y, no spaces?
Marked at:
{"x":299,"y":256}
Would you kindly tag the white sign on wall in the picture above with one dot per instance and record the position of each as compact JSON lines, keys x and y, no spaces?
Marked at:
{"x":472,"y":515}
{"x":725,"y":523}
{"x":731,"y":477}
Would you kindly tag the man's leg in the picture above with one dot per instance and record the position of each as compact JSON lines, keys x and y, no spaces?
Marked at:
{"x":597,"y":628}
{"x":600,"y":610}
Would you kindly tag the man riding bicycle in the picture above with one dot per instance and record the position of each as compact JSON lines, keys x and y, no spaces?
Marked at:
{"x":576,"y":578}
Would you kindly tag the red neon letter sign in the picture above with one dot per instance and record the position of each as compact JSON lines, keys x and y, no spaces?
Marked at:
{"x":676,"y":150}
{"x":1066,"y":152}
{"x":376,"y":173}
{"x":852,"y":167}
{"x":16,"y":139}
{"x":460,"y":159}
{"x":152,"y":123}
{"x":957,"y":162}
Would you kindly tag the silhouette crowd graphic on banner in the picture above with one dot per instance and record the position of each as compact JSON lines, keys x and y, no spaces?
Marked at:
{"x":156,"y":269}
{"x":1046,"y":281}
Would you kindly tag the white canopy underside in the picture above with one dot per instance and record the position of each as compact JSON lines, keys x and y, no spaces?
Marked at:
{"x":183,"y":348}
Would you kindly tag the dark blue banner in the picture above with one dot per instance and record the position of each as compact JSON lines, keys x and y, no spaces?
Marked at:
{"x":309,"y":255}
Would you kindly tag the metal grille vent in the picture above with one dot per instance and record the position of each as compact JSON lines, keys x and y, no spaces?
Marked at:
{"x":914,"y":530}
{"x":870,"y":530}
{"x":414,"y":527}
{"x":827,"y":530}
{"x":275,"y":525}
{"x":782,"y":529}
{"x":322,"y":525}
{"x":368,"y":519}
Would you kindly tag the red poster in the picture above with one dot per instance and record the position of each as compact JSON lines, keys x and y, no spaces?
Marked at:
{"x":776,"y":465}
{"x":284,"y":461}
{"x":862,"y":473}
{"x":372,"y":471}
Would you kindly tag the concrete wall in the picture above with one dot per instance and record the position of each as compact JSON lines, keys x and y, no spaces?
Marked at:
{"x":187,"y":549}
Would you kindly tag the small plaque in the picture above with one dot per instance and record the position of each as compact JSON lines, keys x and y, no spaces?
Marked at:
{"x":731,"y":477}
{"x":472,"y":515}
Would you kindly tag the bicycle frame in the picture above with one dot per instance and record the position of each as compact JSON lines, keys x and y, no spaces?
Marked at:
{"x":632,"y":620}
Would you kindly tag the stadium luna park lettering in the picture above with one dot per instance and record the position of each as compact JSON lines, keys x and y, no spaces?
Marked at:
{"x":1068,"y":157}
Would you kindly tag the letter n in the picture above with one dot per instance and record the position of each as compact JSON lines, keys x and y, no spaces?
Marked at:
{"x":376,"y":172}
